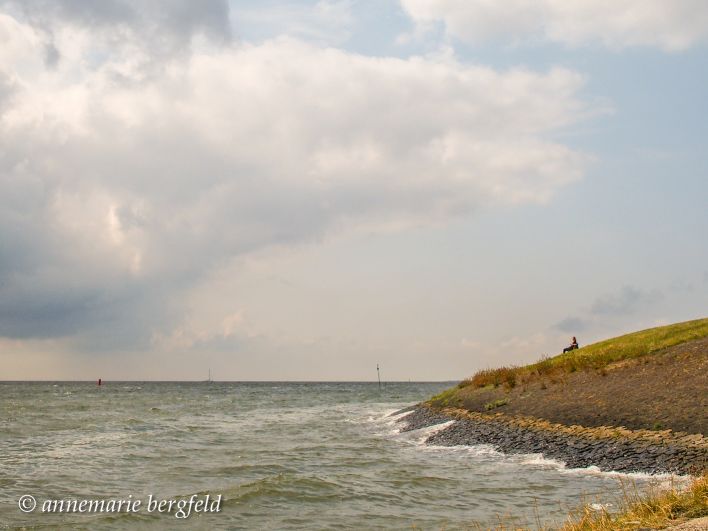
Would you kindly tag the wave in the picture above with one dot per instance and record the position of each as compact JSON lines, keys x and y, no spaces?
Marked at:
{"x":287,"y":487}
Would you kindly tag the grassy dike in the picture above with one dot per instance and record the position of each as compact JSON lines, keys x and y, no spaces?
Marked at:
{"x":649,"y":380}
{"x":597,"y":357}
{"x":652,"y":381}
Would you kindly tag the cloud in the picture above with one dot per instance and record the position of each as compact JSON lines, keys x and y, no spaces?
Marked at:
{"x":670,"y":26}
{"x":525,"y":342}
{"x":572,"y":325}
{"x":143,"y":34}
{"x":610,"y":308}
{"x":156,"y":20}
{"x":625,"y":302}
{"x":325,"y":22}
{"x":120,"y":193}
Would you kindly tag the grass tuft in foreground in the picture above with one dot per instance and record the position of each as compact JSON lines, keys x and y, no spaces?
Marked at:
{"x":656,"y":510}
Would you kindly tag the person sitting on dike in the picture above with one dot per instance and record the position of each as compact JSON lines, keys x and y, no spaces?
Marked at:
{"x":573,"y":345}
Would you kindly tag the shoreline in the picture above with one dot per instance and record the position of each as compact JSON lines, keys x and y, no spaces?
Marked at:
{"x":610,"y":449}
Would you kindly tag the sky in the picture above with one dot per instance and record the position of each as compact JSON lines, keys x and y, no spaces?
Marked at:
{"x":301,"y":190}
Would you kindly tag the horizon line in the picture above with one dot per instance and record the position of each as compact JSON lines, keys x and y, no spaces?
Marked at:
{"x":103,"y":381}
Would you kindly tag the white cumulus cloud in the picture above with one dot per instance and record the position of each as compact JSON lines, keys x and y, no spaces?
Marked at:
{"x":122,"y":188}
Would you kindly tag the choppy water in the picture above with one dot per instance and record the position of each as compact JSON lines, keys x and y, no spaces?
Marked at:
{"x":282,"y":455}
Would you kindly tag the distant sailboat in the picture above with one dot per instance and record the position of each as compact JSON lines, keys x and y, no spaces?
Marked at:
{"x":209,"y":380}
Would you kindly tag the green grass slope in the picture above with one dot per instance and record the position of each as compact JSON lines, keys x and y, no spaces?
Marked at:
{"x":595,"y":356}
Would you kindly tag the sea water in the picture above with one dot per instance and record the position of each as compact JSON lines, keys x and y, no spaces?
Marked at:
{"x":276,"y":455}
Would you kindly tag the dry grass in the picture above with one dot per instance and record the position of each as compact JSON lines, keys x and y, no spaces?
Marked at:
{"x":658,"y":509}
{"x":502,"y":376}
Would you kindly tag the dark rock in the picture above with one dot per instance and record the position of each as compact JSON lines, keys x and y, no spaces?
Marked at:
{"x":622,"y":455}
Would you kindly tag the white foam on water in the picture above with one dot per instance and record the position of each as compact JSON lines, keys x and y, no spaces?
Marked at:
{"x":385,"y":421}
{"x":422,"y":434}
{"x":600,"y":506}
{"x":386,"y":417}
{"x":594,"y":470}
{"x":477,"y":450}
{"x":399,"y":416}
{"x":488,"y":451}
{"x":540,"y":460}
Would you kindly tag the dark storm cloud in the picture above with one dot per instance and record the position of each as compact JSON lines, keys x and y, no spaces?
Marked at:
{"x":159,"y":27}
{"x":100,"y":314}
{"x":176,"y":17}
{"x":47,"y":313}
